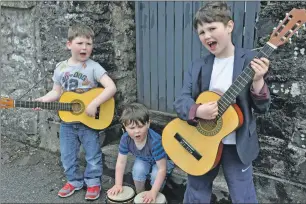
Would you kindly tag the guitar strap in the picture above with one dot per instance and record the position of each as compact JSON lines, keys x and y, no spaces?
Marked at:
{"x":39,"y":81}
{"x":200,"y":80}
{"x":33,"y":86}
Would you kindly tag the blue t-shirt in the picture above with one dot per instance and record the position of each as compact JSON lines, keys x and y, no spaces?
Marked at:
{"x":151,"y":152}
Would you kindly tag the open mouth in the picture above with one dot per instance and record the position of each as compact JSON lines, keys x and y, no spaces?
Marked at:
{"x":83,"y":54}
{"x":212,"y":45}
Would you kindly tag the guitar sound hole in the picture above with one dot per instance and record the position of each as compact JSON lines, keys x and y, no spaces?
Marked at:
{"x":77,"y":107}
{"x":209,"y":127}
{"x":208,"y":124}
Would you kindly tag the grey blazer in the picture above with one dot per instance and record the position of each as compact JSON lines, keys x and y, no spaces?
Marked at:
{"x":197,"y":80}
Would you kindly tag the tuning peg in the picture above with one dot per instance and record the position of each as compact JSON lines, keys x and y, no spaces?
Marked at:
{"x":304,"y":27}
{"x":287,"y":14}
{"x":297,"y":33}
{"x":290,"y":41}
{"x":274,"y":28}
{"x":280,"y":21}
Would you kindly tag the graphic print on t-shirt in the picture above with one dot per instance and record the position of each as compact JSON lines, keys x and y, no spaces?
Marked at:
{"x":71,"y":80}
{"x":78,"y":77}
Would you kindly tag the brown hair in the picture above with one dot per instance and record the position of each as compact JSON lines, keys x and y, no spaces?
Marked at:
{"x":79,"y":30}
{"x":212,"y":12}
{"x":135,"y":113}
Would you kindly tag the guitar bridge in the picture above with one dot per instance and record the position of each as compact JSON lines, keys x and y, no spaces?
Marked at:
{"x":97,"y":116}
{"x":187,"y":146}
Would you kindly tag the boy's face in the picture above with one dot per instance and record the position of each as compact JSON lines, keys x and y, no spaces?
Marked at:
{"x":81,"y":48}
{"x":138,"y":132}
{"x":216,"y":36}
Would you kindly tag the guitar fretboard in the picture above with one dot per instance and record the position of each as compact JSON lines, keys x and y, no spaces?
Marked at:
{"x":240,"y":83}
{"x":44,"y":105}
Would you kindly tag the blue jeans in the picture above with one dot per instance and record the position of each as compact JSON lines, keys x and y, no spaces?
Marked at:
{"x":141,"y":171}
{"x":71,"y":137}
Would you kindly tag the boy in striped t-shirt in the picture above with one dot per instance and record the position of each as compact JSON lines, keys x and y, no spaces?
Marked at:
{"x":145,"y":144}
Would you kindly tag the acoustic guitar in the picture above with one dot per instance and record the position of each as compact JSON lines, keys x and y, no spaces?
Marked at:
{"x":71,"y":108}
{"x":197,"y":149}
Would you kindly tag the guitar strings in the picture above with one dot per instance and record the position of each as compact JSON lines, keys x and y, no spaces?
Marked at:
{"x":266,"y":50}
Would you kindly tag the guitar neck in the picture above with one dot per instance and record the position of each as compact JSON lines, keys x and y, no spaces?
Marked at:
{"x":44,"y":105}
{"x":241,"y":82}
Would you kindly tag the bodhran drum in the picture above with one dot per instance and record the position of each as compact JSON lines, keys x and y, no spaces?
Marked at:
{"x":126,"y":196}
{"x":160,"y":198}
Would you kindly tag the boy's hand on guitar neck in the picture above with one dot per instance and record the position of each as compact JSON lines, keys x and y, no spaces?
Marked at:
{"x":260,"y":67}
{"x":51,"y":96}
{"x":207,"y":111}
{"x":41,"y":99}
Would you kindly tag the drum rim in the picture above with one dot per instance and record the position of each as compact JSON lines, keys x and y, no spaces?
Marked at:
{"x":159,"y":193}
{"x":121,"y":200}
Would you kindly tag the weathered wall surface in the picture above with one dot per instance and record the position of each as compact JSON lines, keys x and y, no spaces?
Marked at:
{"x":283,"y":129}
{"x":33,"y":39}
{"x":34,"y":36}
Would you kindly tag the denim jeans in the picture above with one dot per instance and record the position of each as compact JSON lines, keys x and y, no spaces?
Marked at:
{"x":142,"y":170}
{"x":72,"y":135}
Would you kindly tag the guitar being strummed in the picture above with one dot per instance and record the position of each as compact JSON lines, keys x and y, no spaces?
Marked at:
{"x":216,"y":129}
{"x":82,"y":113}
{"x":71,"y":107}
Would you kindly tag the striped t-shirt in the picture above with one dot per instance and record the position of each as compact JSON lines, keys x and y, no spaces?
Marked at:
{"x":151,"y":152}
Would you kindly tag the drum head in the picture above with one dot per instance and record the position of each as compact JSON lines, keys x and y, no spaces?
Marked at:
{"x":160,"y":198}
{"x":126,"y":194}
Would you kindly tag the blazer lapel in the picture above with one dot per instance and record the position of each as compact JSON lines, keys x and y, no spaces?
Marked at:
{"x":206,"y":72}
{"x":238,"y":62}
{"x":201,"y":74}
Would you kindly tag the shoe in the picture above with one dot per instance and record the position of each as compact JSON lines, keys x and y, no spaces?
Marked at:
{"x":68,"y":190}
{"x":93,"y":192}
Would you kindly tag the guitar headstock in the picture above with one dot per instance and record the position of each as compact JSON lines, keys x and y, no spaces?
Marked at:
{"x":6,"y":103}
{"x":293,"y":21}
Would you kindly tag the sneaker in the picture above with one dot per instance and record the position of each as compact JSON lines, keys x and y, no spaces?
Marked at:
{"x":68,"y":190}
{"x":92,"y":192}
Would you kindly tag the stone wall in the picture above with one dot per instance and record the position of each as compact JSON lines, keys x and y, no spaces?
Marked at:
{"x":34,"y":36}
{"x":282,"y":159}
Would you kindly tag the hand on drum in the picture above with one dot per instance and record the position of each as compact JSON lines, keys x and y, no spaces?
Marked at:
{"x":115,"y":190}
{"x":149,"y":197}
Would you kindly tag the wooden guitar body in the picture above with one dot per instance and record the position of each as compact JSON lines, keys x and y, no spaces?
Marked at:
{"x":197,"y":149}
{"x":71,"y":108}
{"x":80,"y":102}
